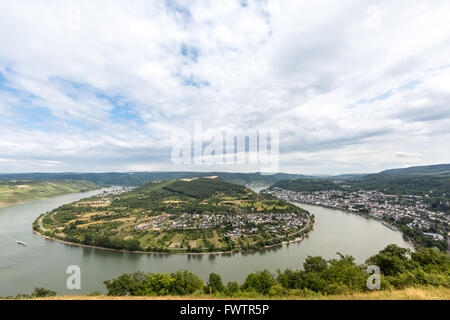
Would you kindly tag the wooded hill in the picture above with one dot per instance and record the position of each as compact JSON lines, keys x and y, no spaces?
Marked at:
{"x":190,"y":215}
{"x":139,"y":178}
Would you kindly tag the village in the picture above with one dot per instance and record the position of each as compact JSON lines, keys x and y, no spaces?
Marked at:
{"x":236,"y":225}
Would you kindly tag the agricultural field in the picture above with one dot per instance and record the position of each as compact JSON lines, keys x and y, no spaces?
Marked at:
{"x":14,"y":192}
{"x":178,"y":216}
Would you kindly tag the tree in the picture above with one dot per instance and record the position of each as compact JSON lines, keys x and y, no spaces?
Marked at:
{"x":214,"y":284}
{"x":260,"y":281}
{"x":431,"y":259}
{"x":186,"y":283}
{"x":127,"y":284}
{"x":160,"y":284}
{"x":392,"y":260}
{"x":315,"y":264}
{"x":232,"y":288}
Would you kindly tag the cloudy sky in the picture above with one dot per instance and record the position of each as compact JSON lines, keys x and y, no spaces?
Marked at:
{"x":352,"y":85}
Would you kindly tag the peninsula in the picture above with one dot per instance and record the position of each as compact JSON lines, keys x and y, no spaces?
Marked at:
{"x":197,"y":215}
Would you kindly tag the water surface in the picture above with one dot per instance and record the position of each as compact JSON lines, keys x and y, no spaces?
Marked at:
{"x":43,"y":262}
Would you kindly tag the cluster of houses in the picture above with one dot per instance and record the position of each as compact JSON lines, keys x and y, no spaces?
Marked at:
{"x":241,"y":224}
{"x":375,"y":204}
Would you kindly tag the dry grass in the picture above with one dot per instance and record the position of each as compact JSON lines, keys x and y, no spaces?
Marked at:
{"x":439,"y":293}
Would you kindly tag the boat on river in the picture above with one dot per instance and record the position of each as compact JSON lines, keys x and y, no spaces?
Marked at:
{"x":389,"y":226}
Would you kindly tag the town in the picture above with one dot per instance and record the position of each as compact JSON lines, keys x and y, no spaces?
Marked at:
{"x":407,"y":210}
{"x":236,"y":225}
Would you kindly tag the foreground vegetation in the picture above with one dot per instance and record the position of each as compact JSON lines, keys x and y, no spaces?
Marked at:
{"x":178,"y":216}
{"x":417,"y":293}
{"x":404,"y":275}
{"x":18,"y":191}
{"x":400,"y":269}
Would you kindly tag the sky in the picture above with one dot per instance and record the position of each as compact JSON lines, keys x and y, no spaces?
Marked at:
{"x":351,"y":85}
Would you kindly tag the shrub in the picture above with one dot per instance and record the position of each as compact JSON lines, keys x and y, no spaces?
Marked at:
{"x":260,"y":282}
{"x":232,"y":288}
{"x":42,"y":293}
{"x":214,"y":284}
{"x":186,"y":283}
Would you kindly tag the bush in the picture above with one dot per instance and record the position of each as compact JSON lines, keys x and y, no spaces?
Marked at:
{"x":159,"y":284}
{"x":127,"y":284}
{"x":260,"y":282}
{"x":42,"y":293}
{"x":186,"y":283}
{"x":214,"y":284}
{"x":278,"y":291}
{"x":232,"y":288}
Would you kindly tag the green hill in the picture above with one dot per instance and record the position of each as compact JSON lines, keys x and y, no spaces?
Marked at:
{"x":305,"y":185}
{"x":189,"y":215}
{"x":433,"y":181}
{"x":13,"y":192}
{"x":440,"y":170}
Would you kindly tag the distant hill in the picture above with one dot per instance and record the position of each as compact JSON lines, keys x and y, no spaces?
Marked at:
{"x":433,"y":181}
{"x":349,"y":176}
{"x":17,"y":191}
{"x":139,"y":178}
{"x":440,"y":170}
{"x":306,"y":185}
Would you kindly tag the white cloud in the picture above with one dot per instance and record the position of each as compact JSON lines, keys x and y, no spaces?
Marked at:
{"x":351,"y":84}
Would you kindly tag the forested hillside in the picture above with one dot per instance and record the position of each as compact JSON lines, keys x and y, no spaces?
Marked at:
{"x":139,"y":178}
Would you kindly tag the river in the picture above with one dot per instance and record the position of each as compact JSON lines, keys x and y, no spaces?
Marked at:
{"x":43,"y":263}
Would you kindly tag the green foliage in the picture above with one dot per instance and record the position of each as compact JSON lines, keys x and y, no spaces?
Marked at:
{"x":127,"y":284}
{"x":400,"y":269}
{"x":315,"y":264}
{"x":215,"y":284}
{"x":232,"y":288}
{"x":110,"y":242}
{"x":158,"y":284}
{"x":204,"y":188}
{"x":432,"y":260}
{"x":304,"y":185}
{"x":186,"y":283}
{"x":260,"y":282}
{"x":392,"y":260}
{"x":42,"y":293}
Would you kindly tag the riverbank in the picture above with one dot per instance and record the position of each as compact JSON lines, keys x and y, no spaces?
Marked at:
{"x":178,"y":253}
{"x":21,"y":192}
{"x":407,"y":239}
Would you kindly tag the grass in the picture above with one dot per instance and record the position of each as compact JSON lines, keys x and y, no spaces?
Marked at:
{"x":428,"y":293}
